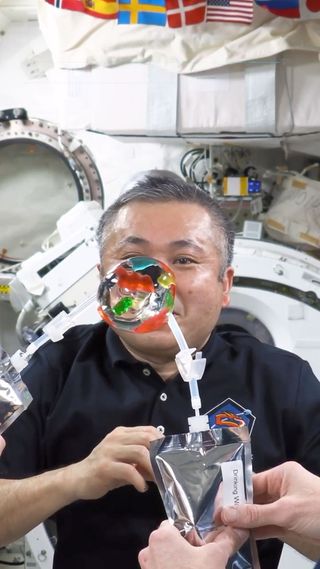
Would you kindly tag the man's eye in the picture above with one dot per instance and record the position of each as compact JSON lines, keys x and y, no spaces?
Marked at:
{"x":183,"y":261}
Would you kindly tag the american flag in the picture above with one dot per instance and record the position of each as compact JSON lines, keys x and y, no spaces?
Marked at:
{"x":230,"y":11}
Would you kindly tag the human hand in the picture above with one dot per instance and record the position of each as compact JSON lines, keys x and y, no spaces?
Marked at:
{"x":2,"y":444}
{"x":121,"y":458}
{"x":167,"y":549}
{"x":290,"y":510}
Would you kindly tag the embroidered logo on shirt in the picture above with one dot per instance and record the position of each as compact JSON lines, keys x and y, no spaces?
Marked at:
{"x":229,"y":413}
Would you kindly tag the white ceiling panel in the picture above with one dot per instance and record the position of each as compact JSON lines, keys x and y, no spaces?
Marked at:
{"x":19,"y":10}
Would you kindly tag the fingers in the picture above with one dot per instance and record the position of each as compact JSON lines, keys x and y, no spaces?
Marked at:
{"x":131,"y":453}
{"x":135,"y":455}
{"x":2,"y":444}
{"x":135,"y":435}
{"x":167,"y":526}
{"x":121,"y":458}
{"x":166,"y":549}
{"x":124,"y":474}
{"x":131,"y":445}
{"x":267,"y":532}
{"x":134,"y":462}
{"x":228,"y":541}
{"x":270,"y":485}
{"x":165,"y":532}
{"x":252,"y":515}
{"x":142,"y":558}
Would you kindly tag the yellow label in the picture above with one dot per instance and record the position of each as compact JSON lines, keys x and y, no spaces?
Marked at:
{"x":235,"y":186}
{"x":275,"y":224}
{"x":243,"y":186}
{"x":309,"y":238}
{"x":298,"y":184}
{"x":4,"y":289}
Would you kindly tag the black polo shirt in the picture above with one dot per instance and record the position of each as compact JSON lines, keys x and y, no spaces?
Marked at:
{"x":87,"y":384}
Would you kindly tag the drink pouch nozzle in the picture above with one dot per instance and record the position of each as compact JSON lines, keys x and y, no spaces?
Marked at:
{"x":191,"y":370}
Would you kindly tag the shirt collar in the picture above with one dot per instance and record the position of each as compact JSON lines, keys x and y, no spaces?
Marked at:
{"x":118,"y":353}
{"x":116,"y":350}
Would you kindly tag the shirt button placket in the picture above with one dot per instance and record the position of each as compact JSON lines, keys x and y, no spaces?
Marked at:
{"x":163,"y":397}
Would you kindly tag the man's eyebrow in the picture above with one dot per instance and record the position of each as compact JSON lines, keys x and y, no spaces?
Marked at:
{"x":177,"y":244}
{"x":185,"y":243}
{"x":133,"y":240}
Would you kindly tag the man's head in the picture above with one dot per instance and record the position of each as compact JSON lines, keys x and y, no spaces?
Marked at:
{"x":162,"y":186}
{"x":163,"y":217}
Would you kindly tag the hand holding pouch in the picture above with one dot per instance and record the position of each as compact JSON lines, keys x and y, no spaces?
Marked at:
{"x":199,"y":472}
{"x":14,"y":395}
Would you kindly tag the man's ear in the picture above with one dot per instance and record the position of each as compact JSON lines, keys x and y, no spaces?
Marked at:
{"x":227,"y":285}
{"x":99,"y":269}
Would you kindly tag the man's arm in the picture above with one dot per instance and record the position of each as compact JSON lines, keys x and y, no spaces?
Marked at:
{"x":287,"y":507}
{"x":121,"y":458}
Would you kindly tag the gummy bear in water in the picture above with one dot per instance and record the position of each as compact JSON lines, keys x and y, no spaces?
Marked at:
{"x":137,"y":295}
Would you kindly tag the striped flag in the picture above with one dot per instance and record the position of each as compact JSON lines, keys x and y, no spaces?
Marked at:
{"x":185,"y":12}
{"x":150,"y":12}
{"x":240,"y":11}
{"x":286,"y":8}
{"x":107,"y":9}
{"x":305,"y":9}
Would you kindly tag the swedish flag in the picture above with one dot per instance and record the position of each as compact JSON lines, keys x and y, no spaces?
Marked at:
{"x":150,"y":12}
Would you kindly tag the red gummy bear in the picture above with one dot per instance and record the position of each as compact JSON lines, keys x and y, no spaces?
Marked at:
{"x":134,"y":281}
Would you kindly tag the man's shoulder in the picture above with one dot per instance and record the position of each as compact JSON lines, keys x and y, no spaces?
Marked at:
{"x":241,"y":341}
{"x":262,"y":362}
{"x":84,"y":332}
{"x":55,"y":360}
{"x":75,"y":339}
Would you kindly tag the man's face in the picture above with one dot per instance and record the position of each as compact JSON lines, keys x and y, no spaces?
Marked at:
{"x":182,"y":236}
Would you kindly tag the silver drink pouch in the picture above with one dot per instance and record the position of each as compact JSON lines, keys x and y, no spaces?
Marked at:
{"x":14,"y":395}
{"x":198,"y":473}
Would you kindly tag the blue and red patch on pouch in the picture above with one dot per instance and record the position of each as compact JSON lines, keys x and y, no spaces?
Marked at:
{"x":229,"y":413}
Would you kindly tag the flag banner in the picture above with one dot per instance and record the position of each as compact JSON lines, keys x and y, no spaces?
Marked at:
{"x":185,"y":12}
{"x":150,"y":12}
{"x":240,"y":11}
{"x":304,"y":9}
{"x":107,"y":9}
